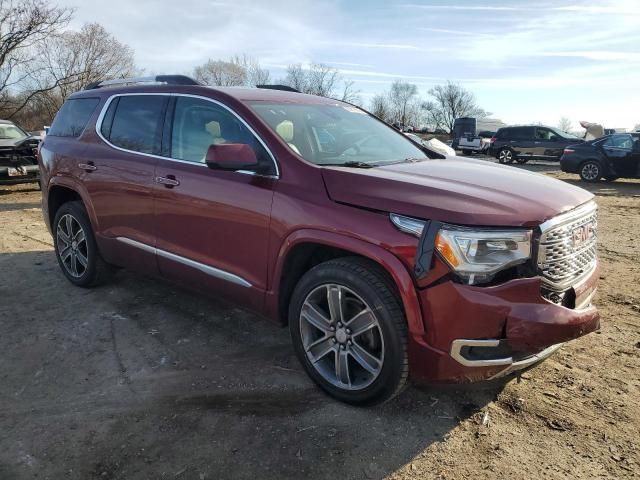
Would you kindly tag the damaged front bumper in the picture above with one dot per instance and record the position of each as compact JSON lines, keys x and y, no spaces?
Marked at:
{"x":481,"y":333}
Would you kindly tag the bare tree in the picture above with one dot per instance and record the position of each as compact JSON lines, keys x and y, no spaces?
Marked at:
{"x":317,"y":79}
{"x":25,"y":26}
{"x":401,"y":96}
{"x":380,"y":107}
{"x":450,"y":101}
{"x":565,"y":124}
{"x":221,"y":73}
{"x":83,"y":57}
{"x":350,"y":94}
{"x":239,"y":70}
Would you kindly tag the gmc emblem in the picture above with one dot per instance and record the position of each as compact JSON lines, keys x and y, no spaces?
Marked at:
{"x":582,"y":234}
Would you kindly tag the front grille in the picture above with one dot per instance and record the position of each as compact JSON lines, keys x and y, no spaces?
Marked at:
{"x":567,"y":249}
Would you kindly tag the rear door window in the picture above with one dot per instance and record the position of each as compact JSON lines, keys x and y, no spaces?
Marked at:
{"x":624,"y":142}
{"x":134,"y":122}
{"x":73,"y":117}
{"x":522,"y":133}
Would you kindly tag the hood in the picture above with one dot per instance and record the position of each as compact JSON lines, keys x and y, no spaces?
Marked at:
{"x":16,"y":143}
{"x":459,"y":191}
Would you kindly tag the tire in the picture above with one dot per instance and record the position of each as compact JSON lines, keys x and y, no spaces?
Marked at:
{"x":375,"y":360}
{"x":590,"y":171}
{"x":466,"y":152}
{"x":76,"y":248}
{"x":505,"y":155}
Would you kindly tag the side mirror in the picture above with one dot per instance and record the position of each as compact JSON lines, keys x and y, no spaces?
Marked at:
{"x":231,"y":156}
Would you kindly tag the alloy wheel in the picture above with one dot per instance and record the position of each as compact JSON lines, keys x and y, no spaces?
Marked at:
{"x":72,"y":246}
{"x":590,"y":172}
{"x":341,"y":337}
{"x":505,"y":156}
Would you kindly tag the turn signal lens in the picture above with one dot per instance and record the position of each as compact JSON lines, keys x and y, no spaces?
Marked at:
{"x":446,"y":251}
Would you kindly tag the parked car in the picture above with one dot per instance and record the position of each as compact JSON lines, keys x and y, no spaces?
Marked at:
{"x":433,"y":144}
{"x":385,"y":261}
{"x":18,"y":162}
{"x":609,"y":158}
{"x":479,"y":143}
{"x":527,"y":142}
{"x":469,"y":133}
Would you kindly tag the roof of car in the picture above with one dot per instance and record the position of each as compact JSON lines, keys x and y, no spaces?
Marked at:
{"x":243,"y":94}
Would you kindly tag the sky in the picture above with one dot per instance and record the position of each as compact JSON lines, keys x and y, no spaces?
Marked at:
{"x":526,"y":62}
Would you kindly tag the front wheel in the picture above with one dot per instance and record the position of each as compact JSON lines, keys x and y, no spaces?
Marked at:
{"x":349,"y":331}
{"x":505,"y":156}
{"x":590,"y":171}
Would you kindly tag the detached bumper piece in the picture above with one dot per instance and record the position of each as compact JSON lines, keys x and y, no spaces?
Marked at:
{"x":491,"y":353}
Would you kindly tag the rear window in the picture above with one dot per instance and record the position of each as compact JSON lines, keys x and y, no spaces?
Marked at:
{"x":134,"y":122}
{"x":73,"y":117}
{"x":503,"y":133}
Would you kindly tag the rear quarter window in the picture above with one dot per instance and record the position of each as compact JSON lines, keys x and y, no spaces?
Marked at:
{"x":72,"y":118}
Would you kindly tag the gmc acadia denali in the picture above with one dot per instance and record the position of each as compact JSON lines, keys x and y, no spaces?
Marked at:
{"x":386,"y":260}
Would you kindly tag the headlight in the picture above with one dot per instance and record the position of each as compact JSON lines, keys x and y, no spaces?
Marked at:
{"x":477,"y":255}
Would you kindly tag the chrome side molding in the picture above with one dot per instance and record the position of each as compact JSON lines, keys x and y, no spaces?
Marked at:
{"x":207,"y":269}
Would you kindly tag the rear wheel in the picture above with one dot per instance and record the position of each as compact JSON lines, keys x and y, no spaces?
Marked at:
{"x":75,"y":246}
{"x":505,"y":156}
{"x":349,"y":331}
{"x":590,"y":171}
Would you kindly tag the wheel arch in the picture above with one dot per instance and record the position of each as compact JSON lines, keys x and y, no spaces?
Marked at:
{"x":306,"y":248}
{"x":61,"y":190}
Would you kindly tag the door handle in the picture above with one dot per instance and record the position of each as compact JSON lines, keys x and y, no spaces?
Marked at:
{"x":87,"y":167}
{"x":169,"y":181}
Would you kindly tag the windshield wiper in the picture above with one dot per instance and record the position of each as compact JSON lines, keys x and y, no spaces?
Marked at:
{"x":407,"y":160}
{"x":349,"y":164}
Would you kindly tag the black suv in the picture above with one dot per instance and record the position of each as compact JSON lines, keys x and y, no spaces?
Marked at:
{"x":529,"y":142}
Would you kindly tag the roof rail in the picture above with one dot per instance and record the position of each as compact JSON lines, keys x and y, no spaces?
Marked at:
{"x":284,"y":88}
{"x":167,"y":79}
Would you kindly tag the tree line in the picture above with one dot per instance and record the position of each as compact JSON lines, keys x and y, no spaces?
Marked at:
{"x":42,"y":63}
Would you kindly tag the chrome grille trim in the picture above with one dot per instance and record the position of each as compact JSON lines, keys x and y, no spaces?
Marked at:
{"x":561,"y":263}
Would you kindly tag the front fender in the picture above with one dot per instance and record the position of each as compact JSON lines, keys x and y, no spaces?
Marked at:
{"x":382,"y":257}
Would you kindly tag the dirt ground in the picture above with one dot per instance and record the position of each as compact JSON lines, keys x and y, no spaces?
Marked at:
{"x":141,"y":380}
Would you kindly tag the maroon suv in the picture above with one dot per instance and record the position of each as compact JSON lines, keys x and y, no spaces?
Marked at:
{"x":385,"y":260}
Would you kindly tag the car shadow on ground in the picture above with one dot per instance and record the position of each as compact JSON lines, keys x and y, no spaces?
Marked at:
{"x":140,"y":379}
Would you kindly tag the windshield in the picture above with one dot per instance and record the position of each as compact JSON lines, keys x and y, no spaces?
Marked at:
{"x":11,"y":132}
{"x":337,"y":134}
